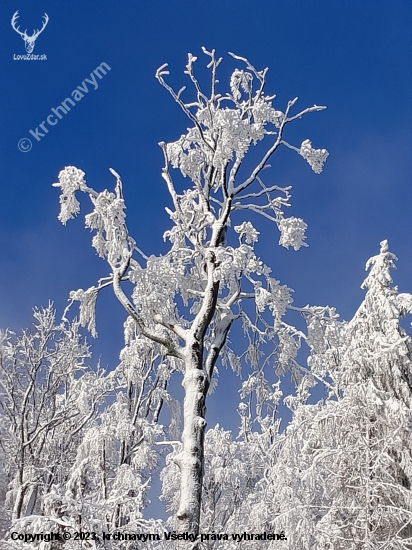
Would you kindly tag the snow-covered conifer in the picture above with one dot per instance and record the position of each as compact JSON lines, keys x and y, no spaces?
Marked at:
{"x":343,"y":478}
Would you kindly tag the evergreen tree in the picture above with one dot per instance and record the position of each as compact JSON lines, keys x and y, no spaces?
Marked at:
{"x":345,"y":470}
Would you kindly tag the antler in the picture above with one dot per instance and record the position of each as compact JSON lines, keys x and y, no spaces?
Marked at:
{"x":13,"y":23}
{"x":35,"y":35}
{"x":24,"y":34}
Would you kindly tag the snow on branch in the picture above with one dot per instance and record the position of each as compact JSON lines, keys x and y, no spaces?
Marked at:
{"x":221,"y":136}
{"x":71,"y":179}
{"x":315,"y":157}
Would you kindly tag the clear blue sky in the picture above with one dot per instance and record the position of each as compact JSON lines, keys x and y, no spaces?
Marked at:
{"x":353,"y":56}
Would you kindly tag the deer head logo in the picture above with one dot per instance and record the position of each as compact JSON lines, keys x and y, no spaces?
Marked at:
{"x":29,"y":41}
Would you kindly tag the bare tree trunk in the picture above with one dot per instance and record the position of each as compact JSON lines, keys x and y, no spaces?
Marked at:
{"x":32,"y":500}
{"x":18,"y":505}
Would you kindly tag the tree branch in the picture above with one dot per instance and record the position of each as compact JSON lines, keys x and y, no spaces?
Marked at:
{"x":268,"y":154}
{"x":121,"y":296}
{"x":174,"y":327}
{"x":159,"y":75}
{"x":221,"y":331}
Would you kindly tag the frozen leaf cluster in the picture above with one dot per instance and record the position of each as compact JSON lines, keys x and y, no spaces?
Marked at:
{"x":111,"y":240}
{"x":292,"y":232}
{"x":315,"y":157}
{"x":87,"y":301}
{"x":247,"y":231}
{"x":241,"y":79}
{"x":71,"y":179}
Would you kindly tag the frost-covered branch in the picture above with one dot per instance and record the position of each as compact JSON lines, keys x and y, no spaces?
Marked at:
{"x":167,"y":342}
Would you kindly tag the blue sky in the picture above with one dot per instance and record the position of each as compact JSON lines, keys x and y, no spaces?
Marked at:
{"x":353,"y":57}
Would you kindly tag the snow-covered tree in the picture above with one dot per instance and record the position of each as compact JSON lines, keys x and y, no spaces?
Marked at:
{"x":343,"y":478}
{"x":233,"y":468}
{"x":77,"y":446}
{"x":109,"y":479}
{"x":47,"y":399}
{"x":209,"y":269}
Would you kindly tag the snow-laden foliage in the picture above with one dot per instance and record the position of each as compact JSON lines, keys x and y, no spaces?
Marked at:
{"x":109,"y":480}
{"x":78,"y":447}
{"x":70,"y":182}
{"x":205,"y":269}
{"x":315,"y":157}
{"x":343,"y":477}
{"x":48,"y":398}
